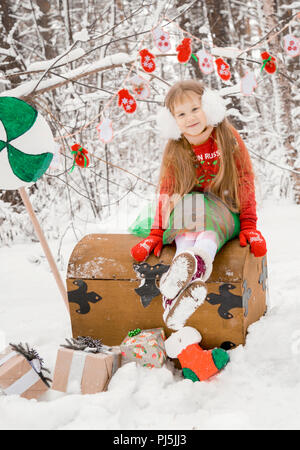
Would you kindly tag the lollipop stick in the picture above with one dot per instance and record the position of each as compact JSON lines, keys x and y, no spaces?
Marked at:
{"x":45,"y":246}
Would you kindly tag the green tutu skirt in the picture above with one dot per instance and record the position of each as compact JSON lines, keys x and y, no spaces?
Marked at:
{"x":195,"y":212}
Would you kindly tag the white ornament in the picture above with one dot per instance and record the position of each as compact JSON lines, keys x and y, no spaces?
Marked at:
{"x":248,"y":83}
{"x":205,"y":61}
{"x":292,"y":45}
{"x":161,"y":39}
{"x":140,"y":87}
{"x":105,"y":131}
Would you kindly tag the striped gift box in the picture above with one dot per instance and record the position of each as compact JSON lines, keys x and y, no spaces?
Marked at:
{"x":18,"y":377}
{"x":82,"y":372}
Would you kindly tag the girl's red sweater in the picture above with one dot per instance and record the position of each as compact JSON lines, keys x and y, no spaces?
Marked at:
{"x":208,"y":157}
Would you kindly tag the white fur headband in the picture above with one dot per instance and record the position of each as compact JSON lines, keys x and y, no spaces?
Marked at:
{"x":213,"y":106}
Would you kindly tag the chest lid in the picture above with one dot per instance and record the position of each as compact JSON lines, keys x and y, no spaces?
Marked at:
{"x":107,"y":257}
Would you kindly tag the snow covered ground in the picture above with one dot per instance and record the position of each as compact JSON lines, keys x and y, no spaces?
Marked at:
{"x":259,"y":389}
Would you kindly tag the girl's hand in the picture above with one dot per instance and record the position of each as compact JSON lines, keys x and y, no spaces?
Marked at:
{"x":257,"y":242}
{"x":154,"y":242}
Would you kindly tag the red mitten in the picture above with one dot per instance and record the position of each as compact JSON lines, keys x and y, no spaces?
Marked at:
{"x":127,"y":101}
{"x":147,"y":60}
{"x":184,"y":50}
{"x":269,"y":62}
{"x":257,"y":242}
{"x":223,"y":69}
{"x":143,"y":249}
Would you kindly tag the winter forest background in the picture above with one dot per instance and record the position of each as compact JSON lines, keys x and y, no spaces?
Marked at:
{"x":70,"y":57}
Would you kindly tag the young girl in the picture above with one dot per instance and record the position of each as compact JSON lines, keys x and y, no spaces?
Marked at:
{"x":207,"y":196}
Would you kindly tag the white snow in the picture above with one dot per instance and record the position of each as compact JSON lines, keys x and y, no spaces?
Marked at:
{"x":259,"y":388}
{"x":25,"y":89}
{"x":82,"y":35}
{"x":227,"y":52}
{"x":44,"y":65}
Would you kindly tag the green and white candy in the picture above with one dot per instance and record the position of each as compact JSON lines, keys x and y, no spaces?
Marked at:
{"x":26,"y":144}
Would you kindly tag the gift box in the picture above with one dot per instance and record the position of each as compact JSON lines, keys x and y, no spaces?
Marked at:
{"x":85,"y":371}
{"x":147,"y":348}
{"x":18,"y":376}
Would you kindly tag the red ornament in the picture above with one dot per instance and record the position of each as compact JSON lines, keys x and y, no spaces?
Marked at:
{"x":127,"y":101}
{"x":80,"y":156}
{"x":223,"y":69}
{"x":147,"y":60}
{"x":269,"y":62}
{"x":184,"y":51}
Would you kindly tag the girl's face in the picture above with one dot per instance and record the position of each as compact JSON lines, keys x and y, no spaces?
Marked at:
{"x":189,"y":116}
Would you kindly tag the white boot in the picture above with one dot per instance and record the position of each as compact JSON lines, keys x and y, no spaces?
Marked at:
{"x":179,"y":275}
{"x":180,"y":309}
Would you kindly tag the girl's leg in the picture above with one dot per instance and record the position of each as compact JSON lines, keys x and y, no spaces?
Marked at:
{"x":182,"y":268}
{"x":207,"y":242}
{"x":184,"y":241}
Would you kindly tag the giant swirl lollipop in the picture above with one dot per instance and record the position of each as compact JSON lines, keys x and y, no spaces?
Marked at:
{"x":26,"y":144}
{"x":26,"y":151}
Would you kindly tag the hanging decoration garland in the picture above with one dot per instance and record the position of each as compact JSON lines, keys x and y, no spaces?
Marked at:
{"x":26,"y":144}
{"x":206,"y":65}
{"x":141,"y":88}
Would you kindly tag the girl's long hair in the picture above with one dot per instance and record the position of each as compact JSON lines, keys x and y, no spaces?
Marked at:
{"x":178,"y":163}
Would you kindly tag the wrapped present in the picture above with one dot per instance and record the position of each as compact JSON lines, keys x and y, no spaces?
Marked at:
{"x":145,"y":347}
{"x":21,"y":372}
{"x":85,"y":366}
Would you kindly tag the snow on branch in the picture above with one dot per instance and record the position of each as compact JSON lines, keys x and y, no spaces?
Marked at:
{"x":227,"y":52}
{"x":44,"y":65}
{"x":110,"y":62}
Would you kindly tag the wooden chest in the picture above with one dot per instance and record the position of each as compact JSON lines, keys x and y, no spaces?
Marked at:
{"x":104,"y":304}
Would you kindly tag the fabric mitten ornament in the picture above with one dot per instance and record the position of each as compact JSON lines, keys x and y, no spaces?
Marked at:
{"x":80,"y":156}
{"x":161,"y":39}
{"x":147,"y":60}
{"x":154,"y":242}
{"x":184,"y":51}
{"x":257,"y":242}
{"x":205,"y":61}
{"x":127,"y":101}
{"x":248,"y":83}
{"x":269,"y":63}
{"x":140,"y":87}
{"x":223,"y":69}
{"x":197,"y":364}
{"x":105,"y":131}
{"x":292,"y":45}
